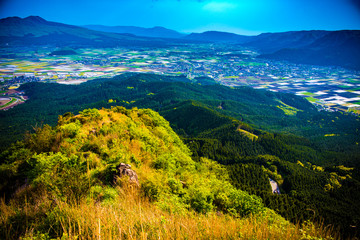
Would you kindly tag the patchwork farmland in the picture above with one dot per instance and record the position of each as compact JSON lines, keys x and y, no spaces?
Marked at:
{"x":330,"y":88}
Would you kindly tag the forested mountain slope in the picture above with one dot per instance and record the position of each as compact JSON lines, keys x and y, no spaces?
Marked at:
{"x":336,"y":48}
{"x":314,"y":156}
{"x":159,"y":32}
{"x":71,"y":179}
{"x":317,"y":47}
{"x":269,"y":111}
{"x":34,"y":30}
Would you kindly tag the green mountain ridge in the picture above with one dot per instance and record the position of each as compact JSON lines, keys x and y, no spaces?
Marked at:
{"x":34,"y":30}
{"x":313,"y":170}
{"x":255,"y":107}
{"x":76,"y":161}
{"x":159,"y":32}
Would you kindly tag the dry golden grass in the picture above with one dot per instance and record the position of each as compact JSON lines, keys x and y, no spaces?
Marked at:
{"x":71,"y":199}
{"x":131,"y":216}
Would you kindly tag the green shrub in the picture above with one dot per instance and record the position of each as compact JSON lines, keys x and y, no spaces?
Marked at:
{"x":60,"y":174}
{"x":201,"y":201}
{"x":92,"y":114}
{"x":150,"y":190}
{"x":103,"y":194}
{"x":71,"y":129}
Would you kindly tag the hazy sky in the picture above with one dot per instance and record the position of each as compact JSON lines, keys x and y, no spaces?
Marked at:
{"x":240,"y":16}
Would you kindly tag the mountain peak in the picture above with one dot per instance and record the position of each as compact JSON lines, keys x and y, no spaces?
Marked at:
{"x":156,"y":31}
{"x":35,"y":19}
{"x":10,"y":20}
{"x":158,"y":27}
{"x":218,"y":36}
{"x":17,"y":21}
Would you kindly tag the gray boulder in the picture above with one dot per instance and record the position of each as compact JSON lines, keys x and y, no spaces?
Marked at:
{"x":124,"y":169}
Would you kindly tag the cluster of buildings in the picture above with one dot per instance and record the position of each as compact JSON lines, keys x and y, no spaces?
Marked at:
{"x":331,"y":87}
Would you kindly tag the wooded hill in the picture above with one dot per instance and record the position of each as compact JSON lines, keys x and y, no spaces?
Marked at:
{"x":256,"y":134}
{"x":36,"y":31}
{"x":65,"y":183}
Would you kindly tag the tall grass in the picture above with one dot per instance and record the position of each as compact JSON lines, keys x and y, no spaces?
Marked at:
{"x":131,"y":216}
{"x":72,"y":193}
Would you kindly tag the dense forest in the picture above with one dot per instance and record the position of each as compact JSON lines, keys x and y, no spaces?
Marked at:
{"x":255,"y":134}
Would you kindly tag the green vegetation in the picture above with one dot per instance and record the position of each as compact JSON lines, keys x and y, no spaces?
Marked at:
{"x":90,"y":145}
{"x":308,"y":94}
{"x":240,"y":128}
{"x":248,"y":134}
{"x":288,"y":110}
{"x":311,"y":99}
{"x":72,"y":188}
{"x":255,"y":107}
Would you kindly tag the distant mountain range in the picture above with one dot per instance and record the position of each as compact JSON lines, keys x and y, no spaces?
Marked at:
{"x":338,"y":48}
{"x":216,"y":36}
{"x":35,"y":30}
{"x":272,"y":42}
{"x":157,"y":32}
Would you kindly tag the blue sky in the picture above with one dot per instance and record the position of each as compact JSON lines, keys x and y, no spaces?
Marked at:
{"x":247,"y":17}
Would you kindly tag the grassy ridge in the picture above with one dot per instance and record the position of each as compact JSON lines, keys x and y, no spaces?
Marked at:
{"x":130,"y":216}
{"x":69,"y":189}
{"x":73,"y":165}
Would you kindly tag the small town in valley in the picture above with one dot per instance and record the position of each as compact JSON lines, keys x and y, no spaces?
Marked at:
{"x":329,"y":88}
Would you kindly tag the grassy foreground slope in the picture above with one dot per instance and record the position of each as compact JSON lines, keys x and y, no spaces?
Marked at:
{"x":63,"y":184}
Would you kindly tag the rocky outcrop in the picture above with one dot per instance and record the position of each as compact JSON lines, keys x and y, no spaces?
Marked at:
{"x":123,"y":170}
{"x":274,"y":187}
